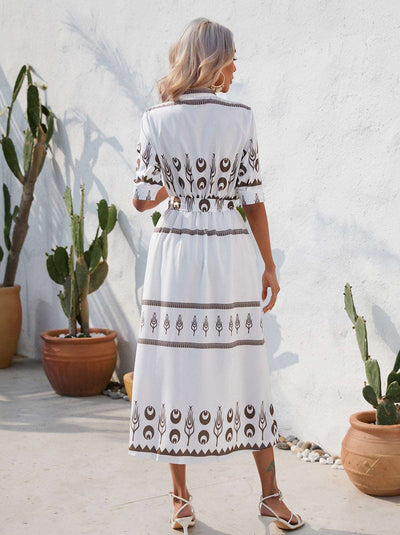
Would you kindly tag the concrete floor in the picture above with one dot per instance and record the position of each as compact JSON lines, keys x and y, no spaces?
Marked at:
{"x":65,"y":470}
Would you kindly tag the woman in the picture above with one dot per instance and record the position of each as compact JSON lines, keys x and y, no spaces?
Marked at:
{"x":201,"y":386}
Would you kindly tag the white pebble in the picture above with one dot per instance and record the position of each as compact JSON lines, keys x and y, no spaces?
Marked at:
{"x":338,"y":461}
{"x":306,"y":459}
{"x":340,"y":467}
{"x":299,"y":455}
{"x":329,"y":460}
{"x":307,"y":451}
{"x":322,"y":461}
{"x":293,"y":447}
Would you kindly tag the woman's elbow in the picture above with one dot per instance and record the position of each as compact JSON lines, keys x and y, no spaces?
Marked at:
{"x":138,"y":204}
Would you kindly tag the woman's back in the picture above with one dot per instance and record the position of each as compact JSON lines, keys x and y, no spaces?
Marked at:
{"x":199,"y":146}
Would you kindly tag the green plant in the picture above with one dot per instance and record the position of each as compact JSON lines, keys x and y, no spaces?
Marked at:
{"x":9,"y":217}
{"x":36,"y":142}
{"x":387,"y":411}
{"x":81,"y":272}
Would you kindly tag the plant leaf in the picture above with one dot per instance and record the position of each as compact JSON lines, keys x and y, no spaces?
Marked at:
{"x":19,"y":82}
{"x":33,"y":109}
{"x":10,"y":156}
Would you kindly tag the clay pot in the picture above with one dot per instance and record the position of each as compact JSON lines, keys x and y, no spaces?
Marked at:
{"x":10,"y":322}
{"x":371,"y":455}
{"x":128,"y":382}
{"x":79,"y":366}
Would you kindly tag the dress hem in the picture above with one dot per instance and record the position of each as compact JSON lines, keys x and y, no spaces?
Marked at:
{"x":192,"y":459}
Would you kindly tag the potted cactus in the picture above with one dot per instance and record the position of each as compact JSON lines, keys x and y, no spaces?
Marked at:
{"x":37,"y":137}
{"x":371,"y":448}
{"x":80,"y":362}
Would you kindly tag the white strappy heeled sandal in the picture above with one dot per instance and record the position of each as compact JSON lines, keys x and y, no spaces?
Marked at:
{"x":182,"y":521}
{"x":280,"y":522}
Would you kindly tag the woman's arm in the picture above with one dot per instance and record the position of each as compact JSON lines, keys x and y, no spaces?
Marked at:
{"x":257,"y":218}
{"x":142,"y":205}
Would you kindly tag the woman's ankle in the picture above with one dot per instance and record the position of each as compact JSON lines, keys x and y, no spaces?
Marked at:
{"x":182,"y":492}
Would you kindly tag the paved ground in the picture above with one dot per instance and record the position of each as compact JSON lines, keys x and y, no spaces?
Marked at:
{"x":65,"y":470}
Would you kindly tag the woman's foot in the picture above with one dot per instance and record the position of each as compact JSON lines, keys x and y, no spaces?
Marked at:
{"x":280,"y":509}
{"x":185,"y":511}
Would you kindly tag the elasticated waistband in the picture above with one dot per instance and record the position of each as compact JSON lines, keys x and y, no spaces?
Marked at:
{"x":200,"y":204}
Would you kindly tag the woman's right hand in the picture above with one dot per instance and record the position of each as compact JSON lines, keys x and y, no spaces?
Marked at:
{"x":269,"y":280}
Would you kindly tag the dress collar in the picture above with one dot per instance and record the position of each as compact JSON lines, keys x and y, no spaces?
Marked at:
{"x":199,"y":92}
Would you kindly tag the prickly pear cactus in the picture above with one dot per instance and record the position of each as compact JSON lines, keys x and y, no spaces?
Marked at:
{"x":81,"y":272}
{"x":387,"y":412}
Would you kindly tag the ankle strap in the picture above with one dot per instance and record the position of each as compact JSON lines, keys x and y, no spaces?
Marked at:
{"x":279,"y":493}
{"x":183,"y":499}
{"x":180,"y":497}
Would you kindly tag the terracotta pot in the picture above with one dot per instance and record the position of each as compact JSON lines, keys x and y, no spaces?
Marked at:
{"x":79,"y":366}
{"x":10,"y":322}
{"x":128,"y":382}
{"x":371,"y":455}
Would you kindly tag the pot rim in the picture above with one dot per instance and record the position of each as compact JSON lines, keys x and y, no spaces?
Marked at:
{"x":10,"y":289}
{"x":361,"y":420}
{"x":52,"y":336}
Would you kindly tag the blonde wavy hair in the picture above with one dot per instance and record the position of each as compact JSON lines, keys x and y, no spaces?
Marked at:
{"x":196,"y":58}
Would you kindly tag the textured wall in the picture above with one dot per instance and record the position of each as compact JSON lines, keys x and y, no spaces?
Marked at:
{"x":323,"y":79}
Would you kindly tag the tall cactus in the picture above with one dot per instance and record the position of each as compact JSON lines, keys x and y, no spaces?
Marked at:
{"x":387,"y":412}
{"x":36,"y":142}
{"x":81,"y":272}
{"x":9,"y":218}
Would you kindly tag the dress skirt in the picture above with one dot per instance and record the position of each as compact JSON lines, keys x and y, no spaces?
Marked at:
{"x":201,"y":385}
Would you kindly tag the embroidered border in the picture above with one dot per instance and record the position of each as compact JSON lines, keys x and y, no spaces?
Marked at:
{"x":194,"y":453}
{"x":179,"y":304}
{"x":208,"y":232}
{"x":201,"y":101}
{"x":193,"y":345}
{"x":173,"y":425}
{"x":199,"y":90}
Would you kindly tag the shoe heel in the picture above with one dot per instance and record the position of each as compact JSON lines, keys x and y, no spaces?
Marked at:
{"x":184,"y":521}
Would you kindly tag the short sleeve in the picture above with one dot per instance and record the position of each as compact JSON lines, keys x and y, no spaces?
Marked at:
{"x":148,"y":180}
{"x":249,"y":186}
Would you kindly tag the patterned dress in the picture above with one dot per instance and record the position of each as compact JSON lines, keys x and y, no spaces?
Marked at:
{"x":201,"y":387}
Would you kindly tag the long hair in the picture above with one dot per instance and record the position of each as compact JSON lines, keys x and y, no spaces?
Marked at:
{"x":196,"y":58}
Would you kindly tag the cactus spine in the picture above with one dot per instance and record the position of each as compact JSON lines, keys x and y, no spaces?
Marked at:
{"x":81,"y":272}
{"x":387,"y":412}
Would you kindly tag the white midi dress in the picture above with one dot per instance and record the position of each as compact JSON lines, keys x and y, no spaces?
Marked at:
{"x":201,"y":386}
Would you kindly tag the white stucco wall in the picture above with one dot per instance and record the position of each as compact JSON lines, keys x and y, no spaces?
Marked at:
{"x":323,"y":79}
